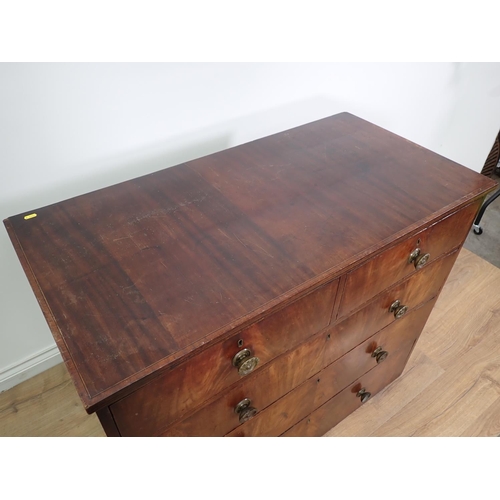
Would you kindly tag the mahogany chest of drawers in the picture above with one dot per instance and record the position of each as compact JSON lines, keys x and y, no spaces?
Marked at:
{"x":268,"y":289}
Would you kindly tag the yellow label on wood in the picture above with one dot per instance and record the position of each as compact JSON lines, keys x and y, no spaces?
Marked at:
{"x":30,"y":216}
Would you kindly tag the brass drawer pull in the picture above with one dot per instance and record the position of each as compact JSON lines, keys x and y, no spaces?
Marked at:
{"x":398,"y":309}
{"x":244,"y":362}
{"x":364,"y":395}
{"x":245,"y":410}
{"x":418,"y":259}
{"x":379,"y":354}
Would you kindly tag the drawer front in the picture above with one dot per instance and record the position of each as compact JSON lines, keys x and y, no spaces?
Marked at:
{"x":321,"y":420}
{"x":285,"y":412}
{"x":415,"y":290}
{"x":393,"y":265}
{"x":150,"y":409}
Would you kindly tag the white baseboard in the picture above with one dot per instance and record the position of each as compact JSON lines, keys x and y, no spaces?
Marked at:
{"x":29,"y":367}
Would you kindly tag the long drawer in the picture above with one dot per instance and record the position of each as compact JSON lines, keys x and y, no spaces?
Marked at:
{"x":322,"y":419}
{"x":389,"y":343}
{"x":150,"y":409}
{"x":395,"y":263}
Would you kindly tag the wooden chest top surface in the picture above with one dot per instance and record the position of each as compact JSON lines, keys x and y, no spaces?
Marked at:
{"x":136,"y":276}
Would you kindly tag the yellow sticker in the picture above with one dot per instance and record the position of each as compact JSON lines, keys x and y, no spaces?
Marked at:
{"x":30,"y":216}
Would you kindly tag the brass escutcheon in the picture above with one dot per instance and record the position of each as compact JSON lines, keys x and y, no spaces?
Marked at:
{"x":245,"y":362}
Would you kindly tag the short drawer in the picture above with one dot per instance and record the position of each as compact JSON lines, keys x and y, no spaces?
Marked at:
{"x":327,"y":416}
{"x":394,"y":264}
{"x":415,"y":290}
{"x":150,"y":409}
{"x":391,"y":342}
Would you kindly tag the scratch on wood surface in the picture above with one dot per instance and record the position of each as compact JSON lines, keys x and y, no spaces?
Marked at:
{"x":266,"y":252}
{"x":132,"y":239}
{"x":218,"y":294}
{"x":128,"y":237}
{"x":215,"y":172}
{"x":163,"y":212}
{"x":221,"y":231}
{"x":240,"y":240}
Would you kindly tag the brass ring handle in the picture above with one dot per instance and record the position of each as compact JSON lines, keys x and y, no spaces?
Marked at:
{"x":364,"y":395}
{"x":398,"y":309}
{"x":245,"y":410}
{"x":419,"y":260}
{"x":244,"y":362}
{"x":379,"y":354}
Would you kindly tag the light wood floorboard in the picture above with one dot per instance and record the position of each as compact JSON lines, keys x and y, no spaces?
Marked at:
{"x":450,"y":387}
{"x":46,"y":405}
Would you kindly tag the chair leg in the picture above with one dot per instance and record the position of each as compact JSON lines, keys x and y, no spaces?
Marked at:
{"x":486,"y":204}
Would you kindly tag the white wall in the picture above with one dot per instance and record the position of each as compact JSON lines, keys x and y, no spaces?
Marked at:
{"x":66,"y":129}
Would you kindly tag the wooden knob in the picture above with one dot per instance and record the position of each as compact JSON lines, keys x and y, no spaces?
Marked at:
{"x":244,"y":362}
{"x":245,"y":410}
{"x":398,"y":309}
{"x":364,"y":395}
{"x":379,"y":354}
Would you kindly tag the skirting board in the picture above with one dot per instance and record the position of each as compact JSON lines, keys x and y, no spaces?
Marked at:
{"x":29,"y":367}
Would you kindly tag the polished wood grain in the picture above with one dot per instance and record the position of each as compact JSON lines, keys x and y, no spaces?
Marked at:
{"x":393,"y":264}
{"x":413,"y":291}
{"x":463,"y":320}
{"x":135,"y":278}
{"x":305,"y":398}
{"x":340,"y":406}
{"x":152,"y":408}
{"x":291,"y":370}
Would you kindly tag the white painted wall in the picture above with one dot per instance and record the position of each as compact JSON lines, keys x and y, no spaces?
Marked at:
{"x":66,"y":129}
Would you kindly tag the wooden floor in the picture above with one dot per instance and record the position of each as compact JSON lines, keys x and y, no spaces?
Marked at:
{"x":450,"y":387}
